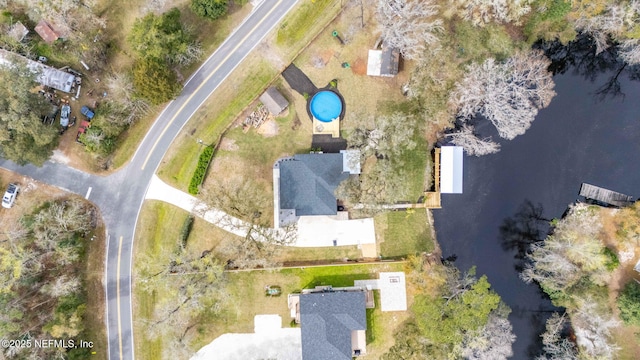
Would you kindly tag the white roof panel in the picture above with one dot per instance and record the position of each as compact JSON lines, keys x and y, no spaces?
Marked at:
{"x":451,"y":163}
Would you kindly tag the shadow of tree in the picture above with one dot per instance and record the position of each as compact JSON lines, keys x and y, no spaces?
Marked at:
{"x":527,"y":226}
{"x":580,"y":57}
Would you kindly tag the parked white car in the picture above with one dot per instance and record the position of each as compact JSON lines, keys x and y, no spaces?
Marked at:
{"x":10,"y":195}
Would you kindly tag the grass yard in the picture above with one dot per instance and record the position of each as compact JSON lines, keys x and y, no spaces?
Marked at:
{"x":158,"y":227}
{"x":248,"y":299}
{"x":244,"y":85}
{"x":416,"y":164}
{"x":303,"y":23}
{"x":402,"y":233}
{"x":365,"y":96}
{"x":237,"y":93}
{"x":158,"y":230}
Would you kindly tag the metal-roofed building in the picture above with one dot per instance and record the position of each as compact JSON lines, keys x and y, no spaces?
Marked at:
{"x":46,"y":32}
{"x":383,"y":62}
{"x":274,"y":101}
{"x":451,"y":162}
{"x":45,"y":75}
{"x":333,"y":325}
{"x":18,"y":31}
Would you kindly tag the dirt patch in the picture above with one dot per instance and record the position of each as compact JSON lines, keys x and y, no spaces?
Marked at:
{"x":326,"y":56}
{"x":228,"y":144}
{"x":296,"y":123}
{"x":359,"y":67}
{"x":59,"y":157}
{"x":268,"y":129}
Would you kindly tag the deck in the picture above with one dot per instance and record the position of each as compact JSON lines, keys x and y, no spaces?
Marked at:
{"x":605,"y":196}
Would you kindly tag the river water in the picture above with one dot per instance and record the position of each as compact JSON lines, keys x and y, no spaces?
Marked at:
{"x":583,"y":136}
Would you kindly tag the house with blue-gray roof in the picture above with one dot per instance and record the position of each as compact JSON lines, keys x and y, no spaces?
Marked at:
{"x":333,"y":324}
{"x":304,"y":184}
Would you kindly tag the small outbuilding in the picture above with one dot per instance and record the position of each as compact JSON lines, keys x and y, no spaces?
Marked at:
{"x":274,"y":101}
{"x":383,"y":62}
{"x":18,"y":31}
{"x":451,"y":162}
{"x":46,"y":32}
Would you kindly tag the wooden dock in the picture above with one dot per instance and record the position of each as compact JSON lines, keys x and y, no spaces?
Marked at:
{"x":592,"y":192}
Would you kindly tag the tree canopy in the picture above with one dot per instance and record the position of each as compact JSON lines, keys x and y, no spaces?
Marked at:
{"x":154,"y":81}
{"x":159,"y":37}
{"x":23,"y":136}
{"x":629,"y":303}
{"x":211,"y":9}
{"x":42,"y":292}
{"x":460,"y":317}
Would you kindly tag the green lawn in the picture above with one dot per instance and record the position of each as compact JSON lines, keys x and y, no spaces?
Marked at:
{"x":211,"y":120}
{"x":404,"y":233}
{"x":158,"y":228}
{"x":247,"y":297}
{"x":301,"y":24}
{"x":414,"y":164}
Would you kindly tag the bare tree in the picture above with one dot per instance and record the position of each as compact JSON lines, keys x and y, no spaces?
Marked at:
{"x":473,"y":145}
{"x":554,"y":345}
{"x":629,"y":51}
{"x":508,"y":94}
{"x":391,"y":136}
{"x":593,"y":330}
{"x":572,"y":252}
{"x":61,"y":286}
{"x":260,"y":248}
{"x":483,"y":12}
{"x":237,"y":196}
{"x":493,"y":342}
{"x":409,"y":25}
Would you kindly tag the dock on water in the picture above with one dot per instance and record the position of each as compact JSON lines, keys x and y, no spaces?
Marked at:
{"x":605,"y":196}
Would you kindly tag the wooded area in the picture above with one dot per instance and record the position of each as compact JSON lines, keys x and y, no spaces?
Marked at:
{"x":42,"y":277}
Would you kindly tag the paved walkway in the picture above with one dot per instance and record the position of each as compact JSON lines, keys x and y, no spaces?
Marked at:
{"x":312,"y":231}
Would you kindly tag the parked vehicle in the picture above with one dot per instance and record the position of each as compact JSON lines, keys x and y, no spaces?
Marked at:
{"x":9,"y":197}
{"x":64,"y":115}
{"x":87,"y":112}
{"x":84,"y":125}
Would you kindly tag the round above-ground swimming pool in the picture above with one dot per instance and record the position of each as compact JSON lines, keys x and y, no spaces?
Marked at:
{"x":326,"y":106}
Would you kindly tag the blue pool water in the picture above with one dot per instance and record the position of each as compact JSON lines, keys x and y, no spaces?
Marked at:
{"x":326,"y":106}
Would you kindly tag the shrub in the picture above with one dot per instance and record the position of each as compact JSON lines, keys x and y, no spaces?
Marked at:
{"x":186,"y":230}
{"x":211,"y":9}
{"x":201,"y":170}
{"x":629,"y":304}
{"x":612,"y":259}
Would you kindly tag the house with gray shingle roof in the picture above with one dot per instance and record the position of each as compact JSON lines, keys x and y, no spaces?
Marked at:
{"x":333,"y":325}
{"x":304,"y":184}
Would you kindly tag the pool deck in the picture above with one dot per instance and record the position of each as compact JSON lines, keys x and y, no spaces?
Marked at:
{"x":323,"y":128}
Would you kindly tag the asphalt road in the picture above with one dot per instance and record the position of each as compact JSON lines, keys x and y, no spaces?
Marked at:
{"x":120,"y":195}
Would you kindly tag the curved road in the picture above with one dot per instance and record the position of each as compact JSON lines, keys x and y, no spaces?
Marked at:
{"x":120,"y":195}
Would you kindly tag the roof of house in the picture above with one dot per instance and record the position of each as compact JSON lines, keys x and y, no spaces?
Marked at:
{"x":45,"y":75}
{"x":274,"y":101}
{"x":383,"y":62}
{"x":327,"y":320}
{"x":307,"y":183}
{"x":46,"y":32}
